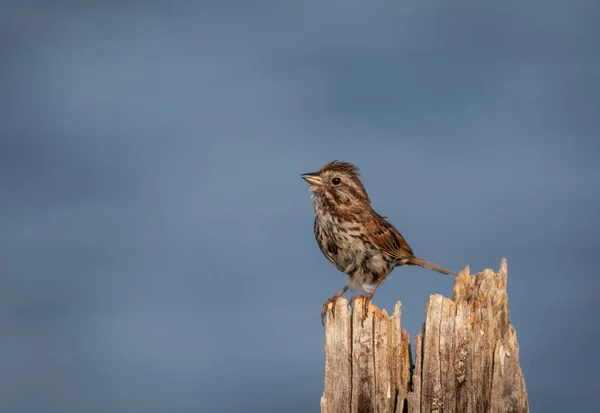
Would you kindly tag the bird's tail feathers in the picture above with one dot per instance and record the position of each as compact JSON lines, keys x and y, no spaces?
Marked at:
{"x":428,"y":264}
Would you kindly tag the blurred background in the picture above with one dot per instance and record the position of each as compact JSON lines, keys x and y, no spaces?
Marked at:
{"x":156,"y":242}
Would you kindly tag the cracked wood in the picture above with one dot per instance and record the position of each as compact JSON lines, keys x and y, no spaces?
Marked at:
{"x":466,"y":356}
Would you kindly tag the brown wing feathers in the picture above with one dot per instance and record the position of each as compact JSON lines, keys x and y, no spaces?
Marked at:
{"x":384,"y":236}
{"x":387,"y":238}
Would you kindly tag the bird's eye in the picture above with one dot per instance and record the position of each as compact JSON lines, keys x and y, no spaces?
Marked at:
{"x":336,"y":181}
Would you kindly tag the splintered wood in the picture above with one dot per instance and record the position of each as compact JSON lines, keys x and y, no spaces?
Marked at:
{"x":466,"y":356}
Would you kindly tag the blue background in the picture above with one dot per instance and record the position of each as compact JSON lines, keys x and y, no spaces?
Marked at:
{"x":156,"y":238}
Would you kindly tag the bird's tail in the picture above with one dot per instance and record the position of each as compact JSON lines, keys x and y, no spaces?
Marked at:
{"x":428,"y":264}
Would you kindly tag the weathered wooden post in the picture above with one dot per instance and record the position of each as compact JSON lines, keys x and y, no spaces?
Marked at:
{"x":467,"y":355}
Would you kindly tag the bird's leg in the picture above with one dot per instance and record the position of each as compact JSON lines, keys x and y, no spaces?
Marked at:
{"x":332,"y":300}
{"x":367,"y":298}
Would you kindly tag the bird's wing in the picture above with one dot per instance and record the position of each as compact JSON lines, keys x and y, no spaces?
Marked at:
{"x":384,"y":236}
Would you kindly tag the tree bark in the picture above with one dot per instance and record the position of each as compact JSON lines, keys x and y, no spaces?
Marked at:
{"x":466,"y":356}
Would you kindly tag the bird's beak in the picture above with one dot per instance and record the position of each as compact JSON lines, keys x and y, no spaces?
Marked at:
{"x":313,"y":178}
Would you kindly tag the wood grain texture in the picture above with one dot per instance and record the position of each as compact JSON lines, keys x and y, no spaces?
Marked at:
{"x":338,"y":360}
{"x":466,"y":356}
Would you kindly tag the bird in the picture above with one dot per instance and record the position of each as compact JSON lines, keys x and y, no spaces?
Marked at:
{"x":357,"y":240}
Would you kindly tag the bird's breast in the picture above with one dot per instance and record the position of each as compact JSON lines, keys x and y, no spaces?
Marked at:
{"x":345,"y":245}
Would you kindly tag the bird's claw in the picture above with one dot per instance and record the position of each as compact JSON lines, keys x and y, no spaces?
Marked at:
{"x":331,"y":301}
{"x":366,"y":299}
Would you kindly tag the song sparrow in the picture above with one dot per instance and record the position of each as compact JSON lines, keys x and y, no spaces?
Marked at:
{"x":355,"y":238}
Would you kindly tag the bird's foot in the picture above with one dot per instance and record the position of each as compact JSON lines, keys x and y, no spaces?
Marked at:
{"x":331,"y":301}
{"x":366,"y":299}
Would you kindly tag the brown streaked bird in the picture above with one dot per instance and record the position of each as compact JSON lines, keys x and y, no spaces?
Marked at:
{"x":355,"y":238}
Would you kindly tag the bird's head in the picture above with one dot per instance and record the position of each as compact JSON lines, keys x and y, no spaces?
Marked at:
{"x":338,"y":185}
